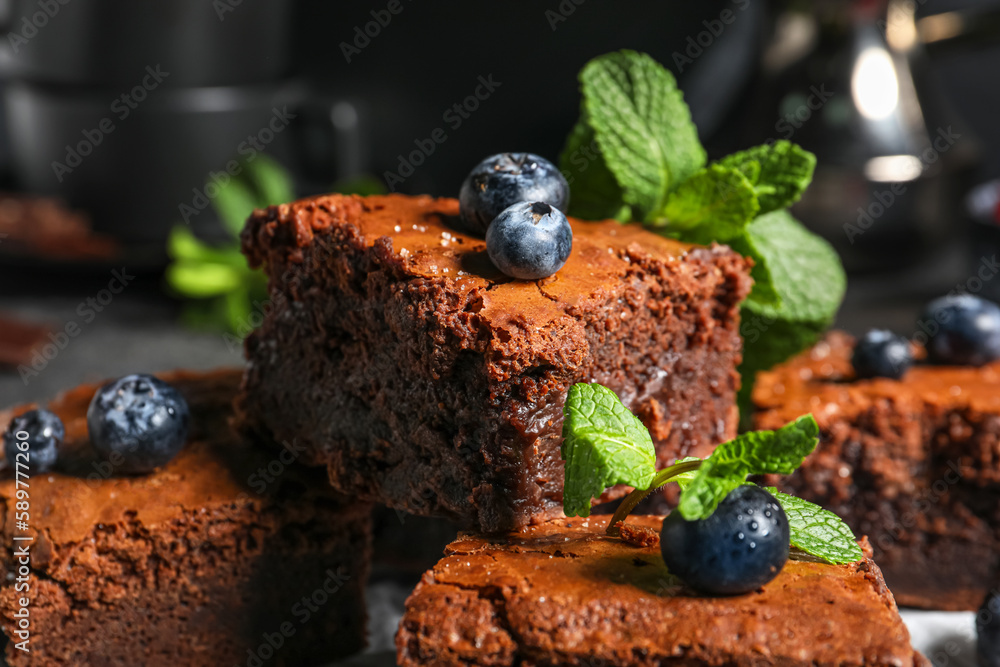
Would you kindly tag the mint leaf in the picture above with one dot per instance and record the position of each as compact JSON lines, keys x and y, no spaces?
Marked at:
{"x":642,"y":126}
{"x":819,"y":532}
{"x":715,"y":204}
{"x":596,"y":194}
{"x":779,"y":172}
{"x":603,"y":444}
{"x":805,"y":269}
{"x":763,"y":291}
{"x":755,"y":453}
{"x":809,"y":279}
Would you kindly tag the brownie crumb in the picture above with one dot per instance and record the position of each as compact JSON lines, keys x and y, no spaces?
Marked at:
{"x":638,"y":536}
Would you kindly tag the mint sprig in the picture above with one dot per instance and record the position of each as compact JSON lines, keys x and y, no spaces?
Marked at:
{"x":605,"y":444}
{"x":754,"y":453}
{"x":219,"y":286}
{"x":221,"y":290}
{"x":634,"y":155}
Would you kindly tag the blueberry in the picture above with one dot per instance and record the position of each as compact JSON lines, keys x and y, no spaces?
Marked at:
{"x":741,"y":547}
{"x":139,"y":421}
{"x":881,"y":353}
{"x":963,"y":330}
{"x":43,"y":432}
{"x":505,"y":179}
{"x":988,"y":630}
{"x":529,"y":240}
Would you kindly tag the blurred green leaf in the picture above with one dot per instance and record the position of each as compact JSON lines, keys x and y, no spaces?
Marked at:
{"x":221,"y":289}
{"x":237,"y":309}
{"x":271,"y":181}
{"x":183,"y":245}
{"x":203,"y":280}
{"x":364,"y":185}
{"x":234,"y":203}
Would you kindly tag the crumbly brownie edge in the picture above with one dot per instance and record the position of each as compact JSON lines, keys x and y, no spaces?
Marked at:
{"x":200,"y":590}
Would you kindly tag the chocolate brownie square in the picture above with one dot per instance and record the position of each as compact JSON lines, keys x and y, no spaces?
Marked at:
{"x":205,"y":561}
{"x":913,"y":463}
{"x":564,"y":593}
{"x":401,"y":359}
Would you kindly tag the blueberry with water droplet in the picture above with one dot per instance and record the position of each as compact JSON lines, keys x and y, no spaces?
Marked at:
{"x":705,"y":556}
{"x":529,"y":240}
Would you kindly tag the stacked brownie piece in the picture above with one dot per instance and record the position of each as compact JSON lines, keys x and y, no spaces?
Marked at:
{"x":422,"y":378}
{"x":228,"y":555}
{"x":564,"y":593}
{"x":913,"y":463}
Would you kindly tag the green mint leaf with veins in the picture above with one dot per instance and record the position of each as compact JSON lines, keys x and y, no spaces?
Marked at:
{"x":779,"y":172}
{"x":817,"y":531}
{"x":596,"y":194}
{"x":714,"y":204}
{"x":603,"y":444}
{"x":755,"y":453}
{"x":808,"y":277}
{"x":642,"y":127}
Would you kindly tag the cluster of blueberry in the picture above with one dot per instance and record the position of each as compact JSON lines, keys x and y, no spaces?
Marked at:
{"x":519,"y":200}
{"x":137,"y":423}
{"x":962,"y":330}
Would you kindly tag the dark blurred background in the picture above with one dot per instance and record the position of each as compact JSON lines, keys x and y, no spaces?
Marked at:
{"x":127,"y":129}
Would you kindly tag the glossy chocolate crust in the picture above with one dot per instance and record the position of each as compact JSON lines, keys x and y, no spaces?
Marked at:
{"x":400,"y":358}
{"x":913,"y":463}
{"x":563,"y":593}
{"x":192,"y":564}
